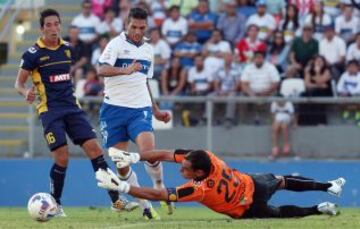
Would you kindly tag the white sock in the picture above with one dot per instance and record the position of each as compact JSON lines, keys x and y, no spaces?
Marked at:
{"x":132,"y":179}
{"x":155,"y":172}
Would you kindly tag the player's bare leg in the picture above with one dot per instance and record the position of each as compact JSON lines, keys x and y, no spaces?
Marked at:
{"x":57,"y":176}
{"x":274,"y":137}
{"x":94,"y":153}
{"x":128,"y":175}
{"x":146,"y":142}
{"x":285,"y":131}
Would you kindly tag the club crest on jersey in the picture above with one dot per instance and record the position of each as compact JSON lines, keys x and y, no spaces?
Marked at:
{"x":60,"y":78}
{"x":68,"y":53}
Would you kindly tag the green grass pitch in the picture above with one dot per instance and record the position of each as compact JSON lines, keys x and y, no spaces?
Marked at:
{"x":184,"y":217}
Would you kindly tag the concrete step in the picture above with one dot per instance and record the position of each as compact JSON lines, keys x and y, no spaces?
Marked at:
{"x":14,"y":118}
{"x":7,"y":81}
{"x":9,"y":92}
{"x":14,"y":106}
{"x":11,"y":148}
{"x":9,"y":69}
{"x":14,"y":132}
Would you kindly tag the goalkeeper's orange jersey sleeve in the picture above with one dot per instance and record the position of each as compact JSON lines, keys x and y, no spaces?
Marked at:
{"x":225,"y":190}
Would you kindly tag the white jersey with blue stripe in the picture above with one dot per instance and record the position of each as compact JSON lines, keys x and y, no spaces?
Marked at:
{"x":128,"y":90}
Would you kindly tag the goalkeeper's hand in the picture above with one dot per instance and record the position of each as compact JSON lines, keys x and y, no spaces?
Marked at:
{"x":123,"y":158}
{"x":108,"y":180}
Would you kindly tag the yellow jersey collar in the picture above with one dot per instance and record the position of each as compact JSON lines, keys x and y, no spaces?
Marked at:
{"x":41,"y":44}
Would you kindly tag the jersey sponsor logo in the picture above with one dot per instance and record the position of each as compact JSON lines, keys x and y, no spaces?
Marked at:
{"x":124,"y":63}
{"x":60,"y":78}
{"x":44,"y":58}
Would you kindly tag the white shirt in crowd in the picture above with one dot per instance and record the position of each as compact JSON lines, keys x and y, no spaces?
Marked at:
{"x":213,"y":63}
{"x":162,"y":49}
{"x":346,"y":29}
{"x":349,"y":84}
{"x":332,"y":50}
{"x":128,"y":90}
{"x":353,"y":52}
{"x":260,"y":79}
{"x":87,"y":26}
{"x":201,"y":79}
{"x":265,"y":23}
{"x":283,"y":113}
{"x":173,"y":31}
{"x":326,"y":20}
{"x":104,"y":27}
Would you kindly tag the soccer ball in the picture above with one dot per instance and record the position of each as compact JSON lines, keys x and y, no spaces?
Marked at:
{"x":42,"y":207}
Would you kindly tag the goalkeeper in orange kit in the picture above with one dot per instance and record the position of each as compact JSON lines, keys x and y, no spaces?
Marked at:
{"x":224,"y":190}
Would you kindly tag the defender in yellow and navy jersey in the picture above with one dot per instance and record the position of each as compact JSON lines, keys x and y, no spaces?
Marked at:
{"x":48,"y":64}
{"x":50,"y":69}
{"x":58,"y":108}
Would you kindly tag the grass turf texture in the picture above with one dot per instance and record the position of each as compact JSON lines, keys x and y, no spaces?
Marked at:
{"x":184,"y":217}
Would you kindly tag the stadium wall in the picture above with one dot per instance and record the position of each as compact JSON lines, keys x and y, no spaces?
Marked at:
{"x":309,"y":142}
{"x":20,"y":178}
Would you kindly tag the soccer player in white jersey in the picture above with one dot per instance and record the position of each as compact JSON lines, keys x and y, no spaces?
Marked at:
{"x":126,"y":113}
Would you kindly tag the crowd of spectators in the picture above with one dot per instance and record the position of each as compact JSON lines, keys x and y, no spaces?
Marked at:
{"x":233,"y":48}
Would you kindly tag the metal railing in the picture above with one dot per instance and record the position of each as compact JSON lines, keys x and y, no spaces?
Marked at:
{"x":209,"y":108}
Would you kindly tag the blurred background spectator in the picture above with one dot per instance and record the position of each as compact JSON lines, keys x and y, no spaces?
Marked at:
{"x":349,"y":85}
{"x":250,"y":44}
{"x":260,"y":78}
{"x":232,"y":24}
{"x":264,"y":21}
{"x":333,"y":48}
{"x":290,"y":24}
{"x":162,"y":52}
{"x":278,"y":52}
{"x":81,"y":53}
{"x":318,"y":19}
{"x":303,"y":49}
{"x":282,"y":118}
{"x":111,"y":24}
{"x":87,"y":23}
{"x":347,"y":24}
{"x":202,"y":21}
{"x":187,"y":49}
{"x":175,"y":27}
{"x":353,"y":51}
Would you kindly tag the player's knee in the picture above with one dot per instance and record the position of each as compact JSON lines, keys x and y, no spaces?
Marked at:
{"x":62,"y":160}
{"x":61,"y":156}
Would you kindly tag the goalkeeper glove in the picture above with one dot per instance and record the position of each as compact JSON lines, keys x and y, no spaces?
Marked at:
{"x":108,"y":180}
{"x":123,"y":158}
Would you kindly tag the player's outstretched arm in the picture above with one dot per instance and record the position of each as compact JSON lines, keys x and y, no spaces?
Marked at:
{"x":108,"y":180}
{"x":123,"y":158}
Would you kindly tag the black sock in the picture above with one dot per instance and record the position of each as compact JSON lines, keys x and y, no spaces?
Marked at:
{"x":98,"y":163}
{"x":304,"y":184}
{"x":57,"y":177}
{"x":298,"y":177}
{"x":288,"y":211}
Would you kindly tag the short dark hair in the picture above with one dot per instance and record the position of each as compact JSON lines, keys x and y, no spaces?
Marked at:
{"x":199,"y":160}
{"x":353,"y":62}
{"x":138,"y":13}
{"x":47,"y":13}
{"x":262,"y":53}
{"x":174,"y":7}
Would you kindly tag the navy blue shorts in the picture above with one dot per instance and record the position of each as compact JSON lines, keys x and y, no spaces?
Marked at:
{"x":121,"y":124}
{"x":58,"y":124}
